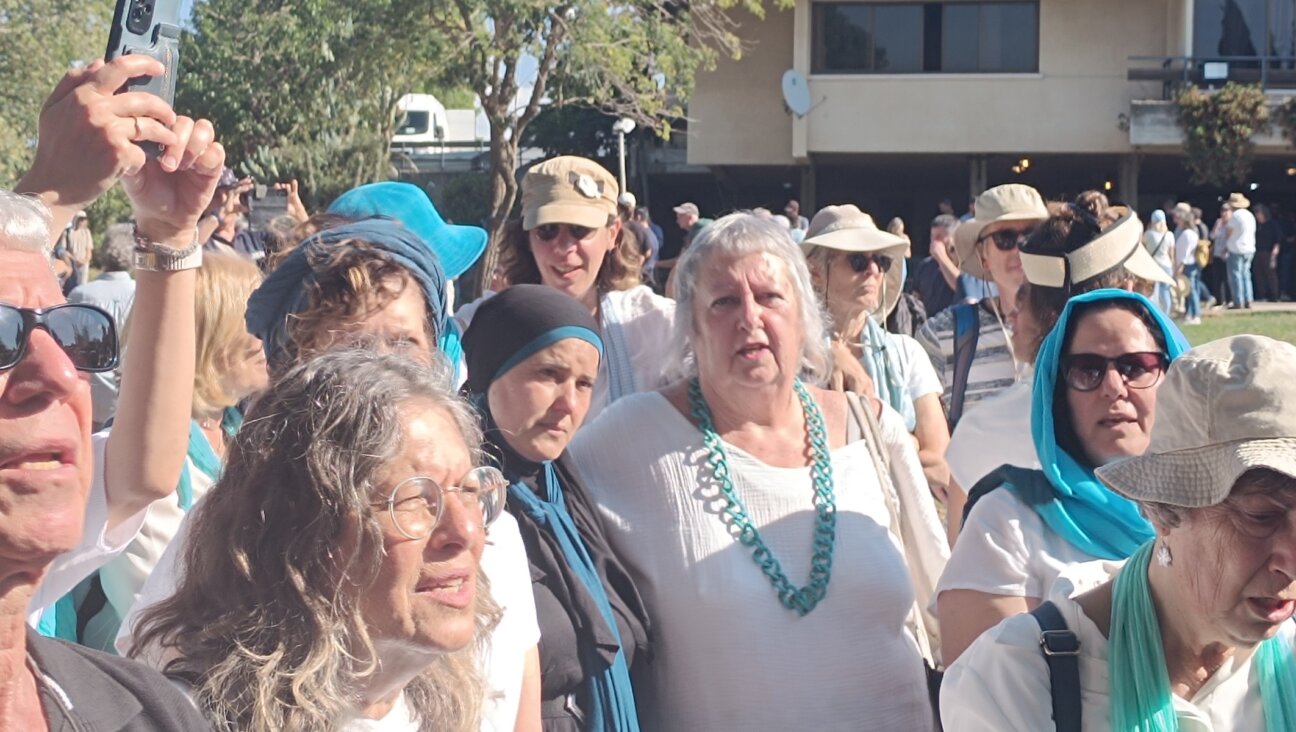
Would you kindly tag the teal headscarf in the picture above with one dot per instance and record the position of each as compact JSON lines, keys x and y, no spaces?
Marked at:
{"x":1082,"y":510}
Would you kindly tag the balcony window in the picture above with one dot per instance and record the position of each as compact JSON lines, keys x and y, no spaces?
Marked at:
{"x":1244,"y":28}
{"x":950,"y":38}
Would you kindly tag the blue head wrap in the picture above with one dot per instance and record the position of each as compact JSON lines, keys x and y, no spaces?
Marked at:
{"x":1082,"y":510}
{"x":284,"y":291}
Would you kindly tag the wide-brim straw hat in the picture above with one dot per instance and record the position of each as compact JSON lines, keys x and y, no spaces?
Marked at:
{"x":1224,"y":408}
{"x":1119,"y":245}
{"x":1008,"y":202}
{"x":847,"y":229}
{"x":1237,"y":200}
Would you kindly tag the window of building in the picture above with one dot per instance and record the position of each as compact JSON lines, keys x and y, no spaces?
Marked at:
{"x":1244,"y":28}
{"x":950,"y":38}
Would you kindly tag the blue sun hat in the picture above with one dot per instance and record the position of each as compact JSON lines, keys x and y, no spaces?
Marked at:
{"x":458,"y":247}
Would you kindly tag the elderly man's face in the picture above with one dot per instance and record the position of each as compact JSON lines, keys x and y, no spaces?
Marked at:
{"x":45,"y":456}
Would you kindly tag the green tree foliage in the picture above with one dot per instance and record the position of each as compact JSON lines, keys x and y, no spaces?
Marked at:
{"x":39,"y":41}
{"x":307,"y":89}
{"x":1217,"y":131}
{"x":572,"y":130}
{"x":635,"y":58}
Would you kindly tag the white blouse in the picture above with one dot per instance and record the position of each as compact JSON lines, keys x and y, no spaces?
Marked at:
{"x":727,"y":654}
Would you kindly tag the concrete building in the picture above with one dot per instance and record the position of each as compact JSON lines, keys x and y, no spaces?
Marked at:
{"x":914,"y":102}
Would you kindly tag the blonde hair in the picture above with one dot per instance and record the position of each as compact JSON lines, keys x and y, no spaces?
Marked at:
{"x":225,"y":282}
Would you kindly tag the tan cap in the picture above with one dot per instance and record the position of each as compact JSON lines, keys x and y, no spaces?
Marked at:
{"x":1224,"y":408}
{"x":568,"y":190}
{"x":1237,"y":200}
{"x":1119,"y":245}
{"x":848,"y":229}
{"x":690,"y":209}
{"x":1008,"y":202}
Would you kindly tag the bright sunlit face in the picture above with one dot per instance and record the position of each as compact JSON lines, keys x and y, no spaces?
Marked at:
{"x":846,"y":290}
{"x":1113,"y":420}
{"x":425,"y":595}
{"x":45,"y":415}
{"x":747,"y":322}
{"x":572,"y":264}
{"x":1003,"y":267}
{"x":540,"y":403}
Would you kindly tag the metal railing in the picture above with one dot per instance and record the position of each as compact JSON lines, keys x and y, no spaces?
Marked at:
{"x":1177,"y":72}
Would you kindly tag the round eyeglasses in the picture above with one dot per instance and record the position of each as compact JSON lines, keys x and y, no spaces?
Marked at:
{"x":416,"y":504}
{"x":1086,"y":371}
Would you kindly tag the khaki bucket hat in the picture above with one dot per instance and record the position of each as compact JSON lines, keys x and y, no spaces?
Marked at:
{"x":1237,"y":200}
{"x":1008,"y":202}
{"x":1224,"y":408}
{"x":847,"y":229}
{"x":568,"y":190}
{"x":1120,"y":244}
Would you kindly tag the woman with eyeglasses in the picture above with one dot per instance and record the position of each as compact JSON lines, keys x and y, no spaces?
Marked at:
{"x":569,"y":238}
{"x":1093,"y":402}
{"x":856,"y":271}
{"x":348,"y":596}
{"x":533,"y":355}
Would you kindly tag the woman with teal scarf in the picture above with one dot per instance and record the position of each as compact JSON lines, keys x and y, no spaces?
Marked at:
{"x":533,"y":358}
{"x":1094,"y":401}
{"x":1195,"y":631}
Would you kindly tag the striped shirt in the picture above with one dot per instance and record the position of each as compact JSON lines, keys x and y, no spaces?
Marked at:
{"x":993,"y":366}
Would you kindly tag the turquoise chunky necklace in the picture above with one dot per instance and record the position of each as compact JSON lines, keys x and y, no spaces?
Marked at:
{"x":803,"y":599}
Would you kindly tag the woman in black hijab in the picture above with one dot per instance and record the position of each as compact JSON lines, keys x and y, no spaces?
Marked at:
{"x":533,"y":357}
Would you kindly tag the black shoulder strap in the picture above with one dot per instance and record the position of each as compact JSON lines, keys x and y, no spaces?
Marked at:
{"x":967,"y":331}
{"x":1061,"y":650}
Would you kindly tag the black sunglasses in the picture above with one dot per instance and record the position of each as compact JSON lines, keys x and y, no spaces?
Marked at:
{"x":1005,"y":240}
{"x":1086,"y":371}
{"x":85,"y":333}
{"x":549,"y":232}
{"x":860,"y":262}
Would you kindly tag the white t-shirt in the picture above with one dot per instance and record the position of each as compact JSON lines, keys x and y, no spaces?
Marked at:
{"x":503,"y":561}
{"x":1002,"y":682}
{"x":920,"y":377}
{"x":98,"y":543}
{"x":1005,"y":548}
{"x":1186,"y":246}
{"x":727,"y":654}
{"x":1241,"y":230}
{"x":637,"y":326}
{"x":998,"y":434}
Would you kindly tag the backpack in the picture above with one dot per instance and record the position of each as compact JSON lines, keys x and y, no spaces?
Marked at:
{"x":1203,"y":253}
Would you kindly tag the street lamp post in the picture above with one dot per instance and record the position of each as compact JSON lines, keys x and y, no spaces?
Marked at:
{"x":622,"y":127}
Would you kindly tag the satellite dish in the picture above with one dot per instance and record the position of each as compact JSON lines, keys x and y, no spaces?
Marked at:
{"x":796,"y":92}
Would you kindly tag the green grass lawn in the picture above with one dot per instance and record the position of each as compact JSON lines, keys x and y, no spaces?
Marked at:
{"x":1279,"y":325}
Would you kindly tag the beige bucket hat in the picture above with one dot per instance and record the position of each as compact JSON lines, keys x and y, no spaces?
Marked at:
{"x":568,"y":190}
{"x":1008,"y":202}
{"x":1237,"y":200}
{"x":847,"y":229}
{"x":1120,"y":244}
{"x":1223,"y":409}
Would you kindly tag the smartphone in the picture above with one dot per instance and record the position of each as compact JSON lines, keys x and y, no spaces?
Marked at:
{"x":265,"y":204}
{"x":150,"y":27}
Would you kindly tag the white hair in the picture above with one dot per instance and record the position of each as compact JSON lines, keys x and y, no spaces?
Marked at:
{"x":24,"y":223}
{"x":736,"y":235}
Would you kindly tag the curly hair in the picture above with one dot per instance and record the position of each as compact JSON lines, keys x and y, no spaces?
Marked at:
{"x":266,"y":622}
{"x":352,"y":281}
{"x":617,"y":273}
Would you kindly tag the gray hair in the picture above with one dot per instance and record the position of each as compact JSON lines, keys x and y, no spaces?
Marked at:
{"x":117,"y":251}
{"x":946,"y":222}
{"x":24,"y":223}
{"x":267,"y":619}
{"x":736,"y":235}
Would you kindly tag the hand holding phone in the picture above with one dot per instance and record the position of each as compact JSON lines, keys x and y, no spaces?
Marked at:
{"x":151,"y":28}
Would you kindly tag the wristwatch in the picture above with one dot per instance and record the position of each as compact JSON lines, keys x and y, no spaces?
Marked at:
{"x":153,"y":257}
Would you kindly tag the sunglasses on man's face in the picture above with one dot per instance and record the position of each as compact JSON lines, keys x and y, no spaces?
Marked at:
{"x":860,"y":262}
{"x":1005,"y":240}
{"x":85,"y":333}
{"x":549,"y":232}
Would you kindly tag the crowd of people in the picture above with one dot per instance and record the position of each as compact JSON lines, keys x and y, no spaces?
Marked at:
{"x":272,"y":479}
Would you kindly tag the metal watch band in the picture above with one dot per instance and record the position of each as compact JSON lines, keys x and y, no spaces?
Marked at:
{"x":153,"y":257}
